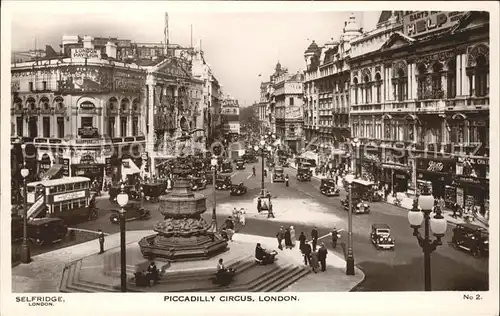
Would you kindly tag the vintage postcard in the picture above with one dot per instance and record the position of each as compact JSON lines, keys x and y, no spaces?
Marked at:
{"x":237,"y":157}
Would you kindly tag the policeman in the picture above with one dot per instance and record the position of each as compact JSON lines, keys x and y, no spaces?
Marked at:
{"x":101,"y":241}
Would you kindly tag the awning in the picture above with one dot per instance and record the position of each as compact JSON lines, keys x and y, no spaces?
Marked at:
{"x":309,"y":155}
{"x":53,"y":172}
{"x":129,"y":167}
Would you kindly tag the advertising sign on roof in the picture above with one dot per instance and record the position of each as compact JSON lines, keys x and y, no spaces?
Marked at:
{"x":425,"y":22}
{"x":85,"y":53}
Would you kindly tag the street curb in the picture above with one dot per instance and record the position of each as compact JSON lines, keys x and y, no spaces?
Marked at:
{"x":361,"y":281}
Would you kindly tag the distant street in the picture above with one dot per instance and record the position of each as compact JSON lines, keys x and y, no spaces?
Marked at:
{"x":397,"y":270}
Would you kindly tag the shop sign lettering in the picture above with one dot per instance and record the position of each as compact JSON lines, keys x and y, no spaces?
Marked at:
{"x":424,"y":22}
{"x":69,"y":196}
{"x":85,"y":53}
{"x":435,"y":166}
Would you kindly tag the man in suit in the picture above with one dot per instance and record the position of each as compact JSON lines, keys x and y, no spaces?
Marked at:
{"x":307,"y":253}
{"x":322,"y":252}
{"x":314,"y":236}
{"x":101,"y":241}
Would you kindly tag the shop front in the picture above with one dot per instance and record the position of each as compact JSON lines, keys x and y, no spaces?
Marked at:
{"x":371,"y":163}
{"x":472,"y":183}
{"x":88,"y":167}
{"x":396,"y":176}
{"x":439,"y":172}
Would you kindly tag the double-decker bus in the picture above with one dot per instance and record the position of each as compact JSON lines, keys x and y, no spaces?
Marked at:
{"x":67,"y":198}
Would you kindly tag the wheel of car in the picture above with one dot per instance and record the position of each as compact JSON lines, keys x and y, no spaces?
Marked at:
{"x":476,"y":253}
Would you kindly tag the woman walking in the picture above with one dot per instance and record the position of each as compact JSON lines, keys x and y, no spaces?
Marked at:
{"x":292,"y":236}
{"x":288,"y":240}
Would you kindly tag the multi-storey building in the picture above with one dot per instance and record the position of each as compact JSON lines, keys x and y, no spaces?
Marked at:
{"x":288,"y":95}
{"x":263,"y":114}
{"x":420,"y":104}
{"x":326,"y":93}
{"x":80,"y":112}
{"x":270,"y":100}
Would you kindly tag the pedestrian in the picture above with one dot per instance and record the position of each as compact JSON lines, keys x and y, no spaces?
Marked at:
{"x":335,"y":237}
{"x":253,"y":171}
{"x":455,"y":210}
{"x":307,"y":253}
{"x":230,"y":228}
{"x":322,"y":252}
{"x":243,"y":220}
{"x":292,"y":236}
{"x":288,"y":239}
{"x":280,"y":236}
{"x":101,"y":241}
{"x":314,"y":236}
{"x":302,"y":241}
{"x":314,"y":261}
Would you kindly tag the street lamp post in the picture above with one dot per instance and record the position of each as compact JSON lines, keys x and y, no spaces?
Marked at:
{"x":437,"y":224}
{"x":25,"y":250}
{"x":350,"y":253}
{"x":213,"y":162}
{"x":355,"y":143}
{"x":122,"y":200}
{"x":263,"y":146}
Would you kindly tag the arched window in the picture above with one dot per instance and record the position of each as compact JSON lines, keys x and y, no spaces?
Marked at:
{"x":112,"y":103}
{"x":451,"y":79}
{"x":402,"y":85}
{"x":378,"y":87}
{"x":422,"y":72}
{"x":355,"y":82}
{"x":368,"y":90}
{"x":481,"y":72}
{"x":437,"y":92}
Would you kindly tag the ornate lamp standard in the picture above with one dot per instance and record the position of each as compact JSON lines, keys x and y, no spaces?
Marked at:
{"x":122,"y":200}
{"x":437,"y":224}
{"x":263,"y":147}
{"x":213,"y":162}
{"x":25,"y":250}
{"x":355,"y":144}
{"x":350,"y":255}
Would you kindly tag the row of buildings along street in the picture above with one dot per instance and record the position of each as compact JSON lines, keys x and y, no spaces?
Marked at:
{"x":405,"y":104}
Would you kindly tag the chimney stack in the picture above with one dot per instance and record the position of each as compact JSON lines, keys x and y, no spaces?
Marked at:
{"x":88,"y":42}
{"x":111,"y":50}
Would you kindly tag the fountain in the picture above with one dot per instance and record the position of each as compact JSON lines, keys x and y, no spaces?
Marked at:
{"x":183,"y":234}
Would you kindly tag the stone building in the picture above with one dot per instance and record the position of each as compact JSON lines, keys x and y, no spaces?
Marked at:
{"x":263,"y":111}
{"x":420,"y":103}
{"x":288,"y":95}
{"x":230,"y":112}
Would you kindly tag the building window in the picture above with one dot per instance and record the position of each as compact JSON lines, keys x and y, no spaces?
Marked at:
{"x":378,"y":85}
{"x":291,"y":101}
{"x":368,"y":90}
{"x":451,"y":78}
{"x":31,"y":86}
{"x":19,"y":125}
{"x":46,"y":126}
{"x":421,"y":83}
{"x":87,"y":121}
{"x":355,"y":82}
{"x":44,"y":83}
{"x":387,"y":131}
{"x":437,"y":92}
{"x":60,"y":127}
{"x":457,"y":134}
{"x":33,"y":126}
{"x":111,"y":127}
{"x":402,"y":85}
{"x":135,"y":126}
{"x":123,"y":126}
{"x":481,"y":72}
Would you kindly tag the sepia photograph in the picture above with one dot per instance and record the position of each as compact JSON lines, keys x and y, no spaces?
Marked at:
{"x":244,"y":153}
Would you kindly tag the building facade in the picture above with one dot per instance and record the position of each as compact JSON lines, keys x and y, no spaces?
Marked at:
{"x":263,"y":111}
{"x":230,"y":112}
{"x":420,"y":104}
{"x":288,"y":95}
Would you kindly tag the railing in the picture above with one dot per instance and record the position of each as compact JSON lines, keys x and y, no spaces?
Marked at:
{"x":430,"y":105}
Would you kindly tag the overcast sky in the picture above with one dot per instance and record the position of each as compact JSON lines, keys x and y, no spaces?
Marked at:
{"x":238,"y":45}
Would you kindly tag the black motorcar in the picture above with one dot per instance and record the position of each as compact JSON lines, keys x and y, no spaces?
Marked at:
{"x":381,"y":237}
{"x":227,"y":166}
{"x":279,"y":174}
{"x":329,"y":188}
{"x":152,"y":191}
{"x":471,"y":238}
{"x":133,"y":211}
{"x":223,"y":182}
{"x":358,"y":205}
{"x":240,"y":164}
{"x":238,"y":189}
{"x":249,"y":158}
{"x":198,"y":183}
{"x":304,"y":174}
{"x":40,"y":230}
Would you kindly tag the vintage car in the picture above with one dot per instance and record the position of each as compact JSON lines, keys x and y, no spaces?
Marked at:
{"x":328,"y":187}
{"x":223,"y":182}
{"x":152,"y":191}
{"x":238,"y":189}
{"x":471,"y":238}
{"x":240,"y":164}
{"x":367,"y":190}
{"x":381,"y":237}
{"x":133,"y":211}
{"x":249,"y":158}
{"x":279,"y":174}
{"x":129,"y":189}
{"x":227,"y":166}
{"x":40,"y":230}
{"x":304,"y":174}
{"x":198,"y":184}
{"x":358,"y":205}
{"x":284,"y":161}
{"x":208,"y":176}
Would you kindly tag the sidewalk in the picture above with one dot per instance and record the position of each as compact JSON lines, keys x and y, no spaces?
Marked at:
{"x":43,"y":274}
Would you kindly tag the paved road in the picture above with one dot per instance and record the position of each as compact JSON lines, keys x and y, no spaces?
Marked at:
{"x":397,"y":270}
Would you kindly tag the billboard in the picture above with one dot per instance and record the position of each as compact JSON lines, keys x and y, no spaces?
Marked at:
{"x":293,"y":112}
{"x":85,"y":53}
{"x":425,"y":22}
